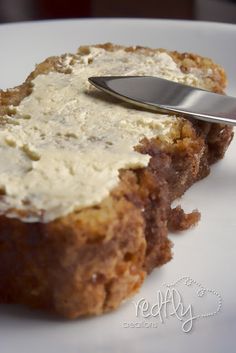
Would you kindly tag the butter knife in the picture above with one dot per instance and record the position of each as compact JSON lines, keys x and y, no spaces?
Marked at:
{"x":169,"y":97}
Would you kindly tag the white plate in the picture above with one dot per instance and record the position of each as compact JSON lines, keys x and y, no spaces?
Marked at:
{"x":206,"y":253}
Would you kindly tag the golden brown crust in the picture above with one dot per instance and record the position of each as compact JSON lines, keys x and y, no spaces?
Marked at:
{"x":91,"y":260}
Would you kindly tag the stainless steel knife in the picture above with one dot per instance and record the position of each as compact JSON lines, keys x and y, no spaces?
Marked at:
{"x":169,"y":97}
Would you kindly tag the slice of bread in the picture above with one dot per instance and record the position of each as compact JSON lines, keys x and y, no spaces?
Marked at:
{"x":87,"y":181}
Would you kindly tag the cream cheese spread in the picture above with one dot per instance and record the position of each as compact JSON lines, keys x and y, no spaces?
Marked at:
{"x":63,"y":147}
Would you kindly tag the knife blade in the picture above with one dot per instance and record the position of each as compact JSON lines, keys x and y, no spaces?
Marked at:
{"x":169,"y":97}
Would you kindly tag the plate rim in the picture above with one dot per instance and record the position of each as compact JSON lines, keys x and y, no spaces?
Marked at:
{"x":193,"y":23}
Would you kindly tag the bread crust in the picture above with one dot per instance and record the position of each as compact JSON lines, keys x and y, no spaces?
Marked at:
{"x":91,"y":260}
